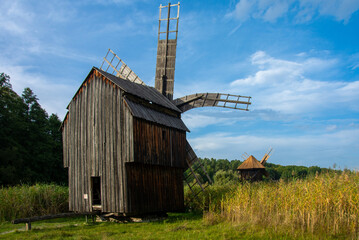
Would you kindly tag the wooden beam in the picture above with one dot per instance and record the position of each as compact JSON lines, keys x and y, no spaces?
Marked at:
{"x":46,"y":217}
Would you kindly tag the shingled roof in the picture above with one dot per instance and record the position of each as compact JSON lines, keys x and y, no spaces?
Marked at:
{"x":149,"y":94}
{"x":145,"y":92}
{"x":152,"y":115}
{"x":251,"y":163}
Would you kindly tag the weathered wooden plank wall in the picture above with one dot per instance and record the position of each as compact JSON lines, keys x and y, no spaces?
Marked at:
{"x":154,"y":188}
{"x":93,"y":145}
{"x":156,"y":144}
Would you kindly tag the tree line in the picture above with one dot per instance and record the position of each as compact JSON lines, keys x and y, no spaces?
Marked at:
{"x":223,"y":171}
{"x":30,"y":140}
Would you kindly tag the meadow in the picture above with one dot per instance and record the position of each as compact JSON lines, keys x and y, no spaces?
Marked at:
{"x":325,"y":206}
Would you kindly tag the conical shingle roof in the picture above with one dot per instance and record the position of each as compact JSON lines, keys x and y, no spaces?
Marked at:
{"x":250,"y":163}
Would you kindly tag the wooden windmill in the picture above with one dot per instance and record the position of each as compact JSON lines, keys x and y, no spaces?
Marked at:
{"x":125,"y":143}
{"x":252,"y":169}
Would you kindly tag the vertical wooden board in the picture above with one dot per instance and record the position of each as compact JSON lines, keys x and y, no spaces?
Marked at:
{"x":108,"y":150}
{"x":90,"y":131}
{"x":70,"y":137}
{"x":76,"y":148}
{"x":73,"y":152}
{"x":118,"y":150}
{"x":122,"y":164}
{"x":114,"y":149}
{"x":74,"y":159}
{"x":79,"y":150}
{"x":88,"y":166}
{"x":95,"y":126}
{"x":125,"y":158}
{"x":100,"y":158}
{"x":89,"y":141}
{"x":110,"y":146}
{"x":131,"y":136}
{"x":84,"y":159}
{"x":80,"y":154}
{"x":103,"y":143}
{"x":108,"y":153}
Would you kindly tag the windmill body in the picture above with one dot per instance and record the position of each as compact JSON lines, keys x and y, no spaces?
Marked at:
{"x":124,"y":142}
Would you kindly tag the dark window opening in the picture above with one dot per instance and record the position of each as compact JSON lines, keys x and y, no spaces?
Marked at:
{"x":96,"y":190}
{"x":163,"y":134}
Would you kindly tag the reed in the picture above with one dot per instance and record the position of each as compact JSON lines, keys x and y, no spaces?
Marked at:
{"x":325,"y":203}
{"x":26,"y":201}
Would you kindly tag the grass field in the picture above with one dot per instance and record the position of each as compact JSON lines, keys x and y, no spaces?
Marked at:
{"x":321,"y":207}
{"x":176,"y":226}
{"x":26,"y":201}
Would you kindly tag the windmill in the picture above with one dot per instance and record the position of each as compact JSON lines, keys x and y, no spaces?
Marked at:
{"x":252,"y":169}
{"x":164,"y":83}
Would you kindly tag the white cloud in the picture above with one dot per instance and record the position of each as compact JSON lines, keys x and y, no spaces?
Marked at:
{"x":53,"y":95}
{"x":284,"y":86}
{"x":303,"y":10}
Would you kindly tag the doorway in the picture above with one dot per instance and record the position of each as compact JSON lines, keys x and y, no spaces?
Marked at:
{"x":96,"y":190}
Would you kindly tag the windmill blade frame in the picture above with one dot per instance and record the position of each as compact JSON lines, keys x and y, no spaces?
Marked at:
{"x":166,"y":51}
{"x":267,"y":155}
{"x":119,"y":68}
{"x":213,"y":100}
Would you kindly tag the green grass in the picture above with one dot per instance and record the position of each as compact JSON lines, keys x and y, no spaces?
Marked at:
{"x":176,"y":226}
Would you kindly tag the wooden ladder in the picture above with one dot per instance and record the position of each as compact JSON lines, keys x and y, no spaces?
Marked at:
{"x":194,"y":164}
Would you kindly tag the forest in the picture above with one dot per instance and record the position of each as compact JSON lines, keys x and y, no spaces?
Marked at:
{"x":30,"y":139}
{"x":31,"y":146}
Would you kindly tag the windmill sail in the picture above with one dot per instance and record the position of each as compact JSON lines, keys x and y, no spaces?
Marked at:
{"x":266,"y":156}
{"x":166,"y":50}
{"x":213,"y":100}
{"x":192,"y":179}
{"x":119,"y":68}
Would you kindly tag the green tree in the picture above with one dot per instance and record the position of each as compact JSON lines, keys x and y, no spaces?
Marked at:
{"x":223,"y":177}
{"x":12,"y":133}
{"x":30,"y":141}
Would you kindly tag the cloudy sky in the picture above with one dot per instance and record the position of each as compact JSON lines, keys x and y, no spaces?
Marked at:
{"x":297,"y":59}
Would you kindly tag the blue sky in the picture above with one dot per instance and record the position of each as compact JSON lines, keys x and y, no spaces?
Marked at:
{"x":297,"y":59}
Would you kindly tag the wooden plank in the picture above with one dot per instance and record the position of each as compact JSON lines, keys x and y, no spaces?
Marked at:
{"x":83,"y":147}
{"x":99,"y":113}
{"x":111,"y":146}
{"x":95,"y":127}
{"x":118,"y":150}
{"x":70,"y":146}
{"x":76,"y":162}
{"x":79,"y":170}
{"x":47,"y":217}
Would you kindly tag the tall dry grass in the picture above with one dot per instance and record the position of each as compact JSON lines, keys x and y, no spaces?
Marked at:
{"x":26,"y":201}
{"x":327,"y":203}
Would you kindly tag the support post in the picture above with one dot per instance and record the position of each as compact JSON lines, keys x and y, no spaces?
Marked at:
{"x":28,"y":226}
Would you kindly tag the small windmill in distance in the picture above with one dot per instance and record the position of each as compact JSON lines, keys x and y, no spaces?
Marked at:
{"x":252,"y":169}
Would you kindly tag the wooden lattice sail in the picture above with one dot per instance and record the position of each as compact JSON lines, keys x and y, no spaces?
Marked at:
{"x":166,"y":50}
{"x":119,"y":68}
{"x":213,"y":100}
{"x":193,"y":178}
